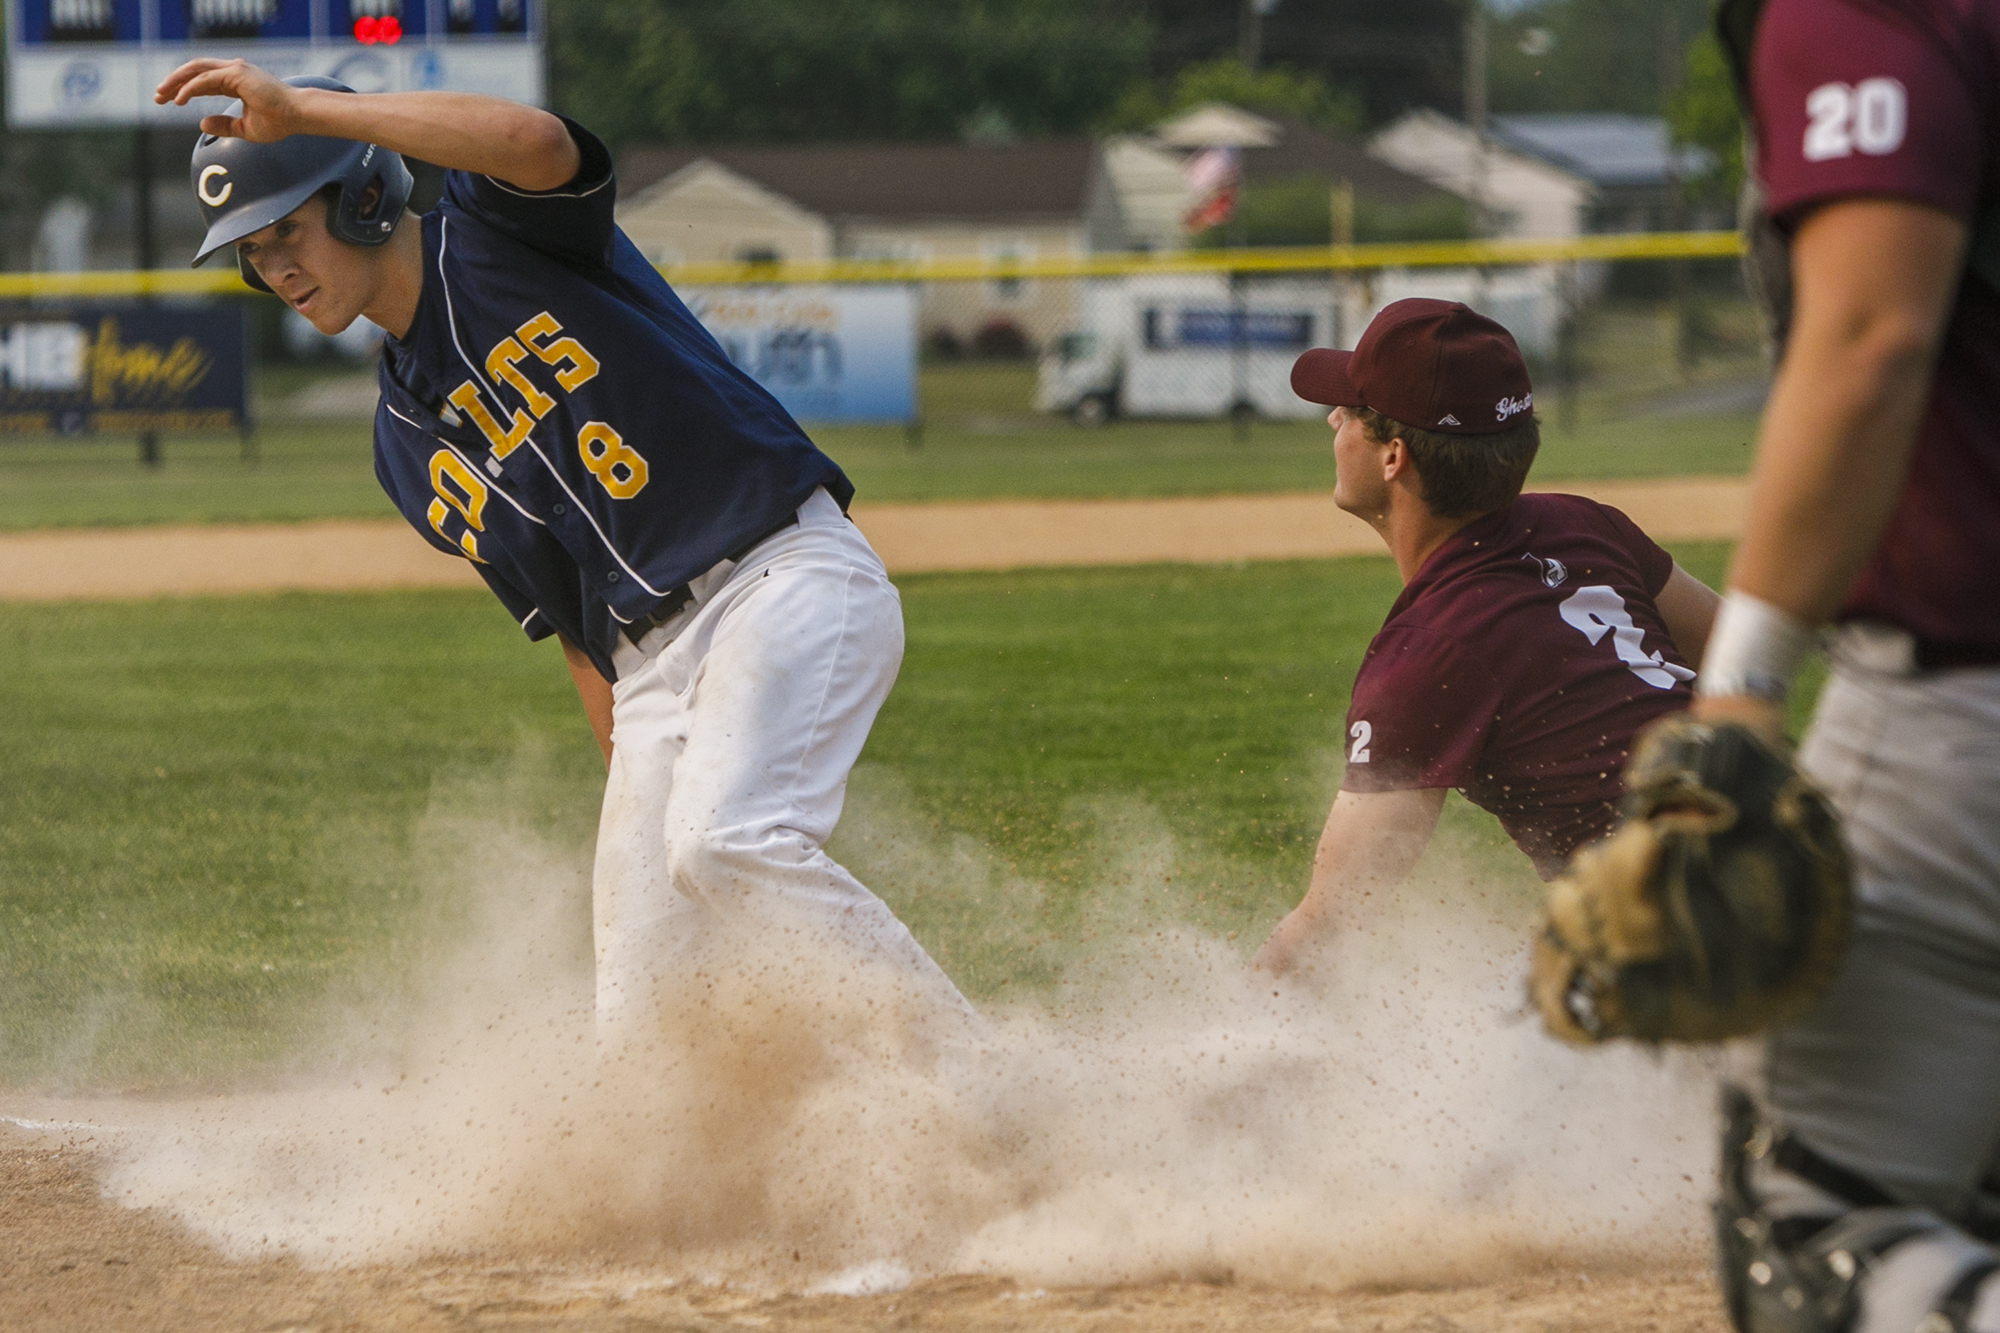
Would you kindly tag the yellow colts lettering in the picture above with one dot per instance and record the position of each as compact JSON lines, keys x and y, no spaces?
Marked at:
{"x":582,"y":365}
{"x":466,"y":399}
{"x":607,"y":455}
{"x":615,"y":464}
{"x":471,"y":505}
{"x":500,"y":365}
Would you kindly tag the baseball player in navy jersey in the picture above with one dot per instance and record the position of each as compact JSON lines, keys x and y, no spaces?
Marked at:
{"x":1535,"y":636}
{"x":1862,"y":1193}
{"x":553,"y":414}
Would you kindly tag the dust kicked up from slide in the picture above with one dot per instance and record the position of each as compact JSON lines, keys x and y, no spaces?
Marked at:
{"x":799,"y":1125}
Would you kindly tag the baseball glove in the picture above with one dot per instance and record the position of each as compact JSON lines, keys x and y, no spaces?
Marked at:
{"x":1718,"y":907}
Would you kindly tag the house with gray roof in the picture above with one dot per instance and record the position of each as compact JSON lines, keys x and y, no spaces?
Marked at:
{"x":776,"y":203}
{"x":1637,"y":171}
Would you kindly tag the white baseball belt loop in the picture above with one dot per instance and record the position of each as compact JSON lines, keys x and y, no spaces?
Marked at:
{"x":1754,"y":649}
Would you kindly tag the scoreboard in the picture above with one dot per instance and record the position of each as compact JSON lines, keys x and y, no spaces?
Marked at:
{"x":96,"y":62}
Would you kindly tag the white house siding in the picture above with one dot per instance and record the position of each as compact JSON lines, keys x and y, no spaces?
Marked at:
{"x":1522,"y":195}
{"x":1149,"y":192}
{"x":705,"y":213}
{"x":1041,"y":307}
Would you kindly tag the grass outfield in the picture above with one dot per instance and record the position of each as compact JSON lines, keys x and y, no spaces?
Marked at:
{"x":217,"y":816}
{"x":981,"y":442}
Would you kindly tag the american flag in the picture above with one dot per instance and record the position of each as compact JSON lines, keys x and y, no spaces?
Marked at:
{"x":1212,"y":176}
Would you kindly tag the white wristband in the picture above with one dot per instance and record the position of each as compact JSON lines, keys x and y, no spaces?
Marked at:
{"x":1754,"y":649}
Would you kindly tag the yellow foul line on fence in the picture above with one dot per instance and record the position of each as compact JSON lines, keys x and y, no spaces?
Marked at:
{"x":223,"y":280}
{"x":1288,"y":259}
{"x":118,"y":282}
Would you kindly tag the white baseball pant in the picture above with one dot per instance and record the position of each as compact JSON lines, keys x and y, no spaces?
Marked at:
{"x":734,"y":726}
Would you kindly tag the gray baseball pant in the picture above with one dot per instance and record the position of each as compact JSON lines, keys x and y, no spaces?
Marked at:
{"x":1896,"y":1074}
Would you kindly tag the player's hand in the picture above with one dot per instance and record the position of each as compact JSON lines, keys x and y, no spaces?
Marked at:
{"x":1289,"y":963}
{"x":1274,"y":958}
{"x":271,"y":108}
{"x":1292,"y":950}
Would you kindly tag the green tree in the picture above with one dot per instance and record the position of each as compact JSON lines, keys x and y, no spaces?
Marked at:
{"x":1390,"y":54}
{"x":1278,"y":90}
{"x":746,"y":70}
{"x":1590,"y":55}
{"x":1298,"y":210}
{"x":1705,"y":113}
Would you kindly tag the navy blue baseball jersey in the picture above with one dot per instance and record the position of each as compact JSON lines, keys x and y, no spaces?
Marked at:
{"x":555,"y":415}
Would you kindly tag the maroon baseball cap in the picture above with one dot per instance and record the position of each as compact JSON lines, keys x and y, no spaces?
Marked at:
{"x":1435,"y":365}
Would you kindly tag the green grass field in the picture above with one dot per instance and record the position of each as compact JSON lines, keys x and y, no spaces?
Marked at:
{"x":979,"y":441}
{"x":218,"y":817}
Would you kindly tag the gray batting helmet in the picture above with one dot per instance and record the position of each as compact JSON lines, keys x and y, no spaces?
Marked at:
{"x":244,"y":187}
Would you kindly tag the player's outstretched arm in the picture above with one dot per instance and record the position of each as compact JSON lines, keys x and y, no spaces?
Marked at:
{"x":491,"y":136}
{"x":1688,"y":607}
{"x":1370,"y":844}
{"x":1874,"y":281}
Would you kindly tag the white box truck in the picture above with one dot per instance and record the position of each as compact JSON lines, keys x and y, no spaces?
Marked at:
{"x":1201,"y":346}
{"x":1185,"y":345}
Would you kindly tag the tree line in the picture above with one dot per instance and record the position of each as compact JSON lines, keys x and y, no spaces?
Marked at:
{"x":734,"y":71}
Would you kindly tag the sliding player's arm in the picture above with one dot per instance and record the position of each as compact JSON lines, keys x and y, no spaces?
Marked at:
{"x":1688,"y":607}
{"x":489,"y":136}
{"x":1370,"y":844}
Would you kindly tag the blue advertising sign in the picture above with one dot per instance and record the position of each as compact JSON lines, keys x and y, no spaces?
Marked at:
{"x":124,"y":368}
{"x":1235,"y":328}
{"x":827,"y":353}
{"x":96,"y":62}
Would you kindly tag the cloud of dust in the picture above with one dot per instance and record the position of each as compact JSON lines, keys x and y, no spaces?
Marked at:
{"x":798,"y":1122}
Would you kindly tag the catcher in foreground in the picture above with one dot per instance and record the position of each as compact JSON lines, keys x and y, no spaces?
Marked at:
{"x":1861,"y":1195}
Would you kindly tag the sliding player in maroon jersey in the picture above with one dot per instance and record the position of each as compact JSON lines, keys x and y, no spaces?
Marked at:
{"x":1536,"y":635}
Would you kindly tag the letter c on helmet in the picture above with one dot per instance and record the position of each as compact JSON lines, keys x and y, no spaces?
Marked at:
{"x":220,"y":197}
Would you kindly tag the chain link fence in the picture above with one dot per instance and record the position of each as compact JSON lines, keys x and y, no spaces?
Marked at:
{"x":1609,"y":325}
{"x":1145,"y":346}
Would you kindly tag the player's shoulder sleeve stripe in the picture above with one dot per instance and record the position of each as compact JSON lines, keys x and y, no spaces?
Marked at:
{"x":593,"y":165}
{"x":562,"y":193}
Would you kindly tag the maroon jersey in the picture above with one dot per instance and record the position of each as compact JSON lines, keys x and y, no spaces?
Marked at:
{"x":1517,"y":666}
{"x":1866,"y":97}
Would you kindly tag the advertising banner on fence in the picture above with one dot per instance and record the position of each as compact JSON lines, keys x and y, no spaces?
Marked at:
{"x":827,"y":353}
{"x":123,"y":368}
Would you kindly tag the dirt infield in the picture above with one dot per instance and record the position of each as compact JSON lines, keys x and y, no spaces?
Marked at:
{"x":349,"y":556}
{"x":74,"y":1257}
{"x":72,"y":1261}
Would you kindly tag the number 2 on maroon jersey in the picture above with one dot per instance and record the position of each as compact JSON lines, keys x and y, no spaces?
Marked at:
{"x":1362,"y":732}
